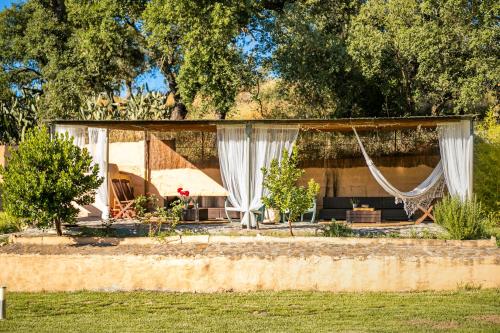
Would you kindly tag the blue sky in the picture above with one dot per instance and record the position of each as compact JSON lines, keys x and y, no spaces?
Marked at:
{"x":153,"y":79}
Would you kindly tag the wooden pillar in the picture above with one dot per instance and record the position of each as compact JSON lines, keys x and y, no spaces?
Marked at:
{"x":107,"y":178}
{"x":147,"y":171}
{"x":470,"y":193}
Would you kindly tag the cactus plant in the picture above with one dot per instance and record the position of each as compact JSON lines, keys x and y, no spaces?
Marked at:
{"x":17,"y":117}
{"x":139,"y":106}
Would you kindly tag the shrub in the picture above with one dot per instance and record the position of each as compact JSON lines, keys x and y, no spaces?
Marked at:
{"x":150,"y":213}
{"x":9,"y":223}
{"x":336,"y":229}
{"x":43,"y":177}
{"x":487,"y":164}
{"x":284,"y":194}
{"x":463,"y":220}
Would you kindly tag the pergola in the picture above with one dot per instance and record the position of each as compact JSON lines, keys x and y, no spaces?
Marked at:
{"x":246,"y":139}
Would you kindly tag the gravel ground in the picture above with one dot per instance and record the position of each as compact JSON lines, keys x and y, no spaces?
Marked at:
{"x":268,"y":250}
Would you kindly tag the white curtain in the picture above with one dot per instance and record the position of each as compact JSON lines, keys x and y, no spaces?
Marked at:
{"x":422,"y":195}
{"x":243,"y":151}
{"x":76,"y":132}
{"x":98,"y":144}
{"x":456,"y":148}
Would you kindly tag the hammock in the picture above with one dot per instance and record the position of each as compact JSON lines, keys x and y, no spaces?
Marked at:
{"x":422,"y":195}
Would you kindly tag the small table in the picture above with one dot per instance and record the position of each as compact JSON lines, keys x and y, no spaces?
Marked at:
{"x":364,"y":216}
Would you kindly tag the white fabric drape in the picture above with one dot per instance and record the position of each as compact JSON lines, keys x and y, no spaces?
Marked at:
{"x":243,"y":151}
{"x":98,"y":143}
{"x":422,"y":195}
{"x":75,"y":132}
{"x":456,"y":145}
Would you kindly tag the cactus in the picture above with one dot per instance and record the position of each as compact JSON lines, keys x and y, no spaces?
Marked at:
{"x":17,"y":117}
{"x":140,"y":106}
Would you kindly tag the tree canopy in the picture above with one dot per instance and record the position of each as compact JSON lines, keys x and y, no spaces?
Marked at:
{"x":329,"y":58}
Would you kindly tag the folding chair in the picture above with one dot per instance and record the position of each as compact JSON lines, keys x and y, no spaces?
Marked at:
{"x":123,"y":204}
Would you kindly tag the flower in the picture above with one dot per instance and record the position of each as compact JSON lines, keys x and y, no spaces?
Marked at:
{"x":179,"y":190}
{"x":186,"y":193}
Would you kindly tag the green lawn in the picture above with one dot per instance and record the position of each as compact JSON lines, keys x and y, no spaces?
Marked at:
{"x":253,"y":312}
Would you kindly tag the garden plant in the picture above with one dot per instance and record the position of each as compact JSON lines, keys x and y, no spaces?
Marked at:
{"x":45,"y":177}
{"x":280,"y":180}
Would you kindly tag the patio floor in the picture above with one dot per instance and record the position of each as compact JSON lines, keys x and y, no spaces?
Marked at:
{"x":135,"y":228}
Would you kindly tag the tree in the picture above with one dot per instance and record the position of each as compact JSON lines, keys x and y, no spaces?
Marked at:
{"x":65,"y":50}
{"x":44,"y":176}
{"x":284,"y":194}
{"x":429,"y":57}
{"x":196,"y":43}
{"x":307,"y":40}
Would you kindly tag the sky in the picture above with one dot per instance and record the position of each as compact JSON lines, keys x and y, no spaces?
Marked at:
{"x":154,"y":80}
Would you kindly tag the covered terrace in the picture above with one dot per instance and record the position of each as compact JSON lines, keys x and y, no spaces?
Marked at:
{"x":154,"y":162}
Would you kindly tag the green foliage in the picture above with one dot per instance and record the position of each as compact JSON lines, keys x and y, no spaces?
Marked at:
{"x":9,"y":223}
{"x":44,"y":176}
{"x":336,"y":229}
{"x":66,"y":50}
{"x":317,"y":74}
{"x":284,"y":194}
{"x":331,"y":58}
{"x":428,"y":56}
{"x":487,"y":163}
{"x":198,"y":39}
{"x":462,"y":220}
{"x":16,"y":117}
{"x":149,"y":212}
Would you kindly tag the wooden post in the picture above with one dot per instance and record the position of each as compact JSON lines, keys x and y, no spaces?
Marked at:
{"x":107,"y":178}
{"x":146,"y":162}
{"x":248,"y":142}
{"x":3,"y":303}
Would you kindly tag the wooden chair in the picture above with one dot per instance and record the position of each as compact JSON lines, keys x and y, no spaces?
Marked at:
{"x":123,"y":199}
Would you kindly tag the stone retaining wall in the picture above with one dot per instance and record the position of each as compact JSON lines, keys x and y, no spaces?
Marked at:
{"x":247,"y":266}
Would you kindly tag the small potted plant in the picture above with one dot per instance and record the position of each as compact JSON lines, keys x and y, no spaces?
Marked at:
{"x":354,"y":203}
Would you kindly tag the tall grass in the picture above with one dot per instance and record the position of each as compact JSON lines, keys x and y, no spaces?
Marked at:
{"x":463,"y":220}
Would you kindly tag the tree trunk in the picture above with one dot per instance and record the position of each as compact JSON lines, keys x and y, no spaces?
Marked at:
{"x":57,"y":223}
{"x":179,"y":112}
{"x":290,"y":227}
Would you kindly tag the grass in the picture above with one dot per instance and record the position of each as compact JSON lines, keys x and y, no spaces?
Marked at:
{"x":462,"y":310}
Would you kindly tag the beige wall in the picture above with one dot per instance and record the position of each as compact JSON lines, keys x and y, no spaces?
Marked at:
{"x":35,"y":272}
{"x":352,"y":181}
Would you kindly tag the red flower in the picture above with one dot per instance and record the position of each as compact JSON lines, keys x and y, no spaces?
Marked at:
{"x":186,"y":193}
{"x":179,"y":190}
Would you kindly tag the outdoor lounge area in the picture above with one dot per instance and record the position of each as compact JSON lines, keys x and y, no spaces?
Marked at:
{"x":224,"y":179}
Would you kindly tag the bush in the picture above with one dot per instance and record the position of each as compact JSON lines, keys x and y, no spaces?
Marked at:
{"x":9,"y":223}
{"x":44,"y":176}
{"x":336,"y":229}
{"x":463,"y":220}
{"x":487,"y":164}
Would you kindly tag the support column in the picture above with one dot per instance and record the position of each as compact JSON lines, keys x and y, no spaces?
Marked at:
{"x":470,"y":193}
{"x":146,"y":162}
{"x":248,"y":143}
{"x":106,"y":213}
